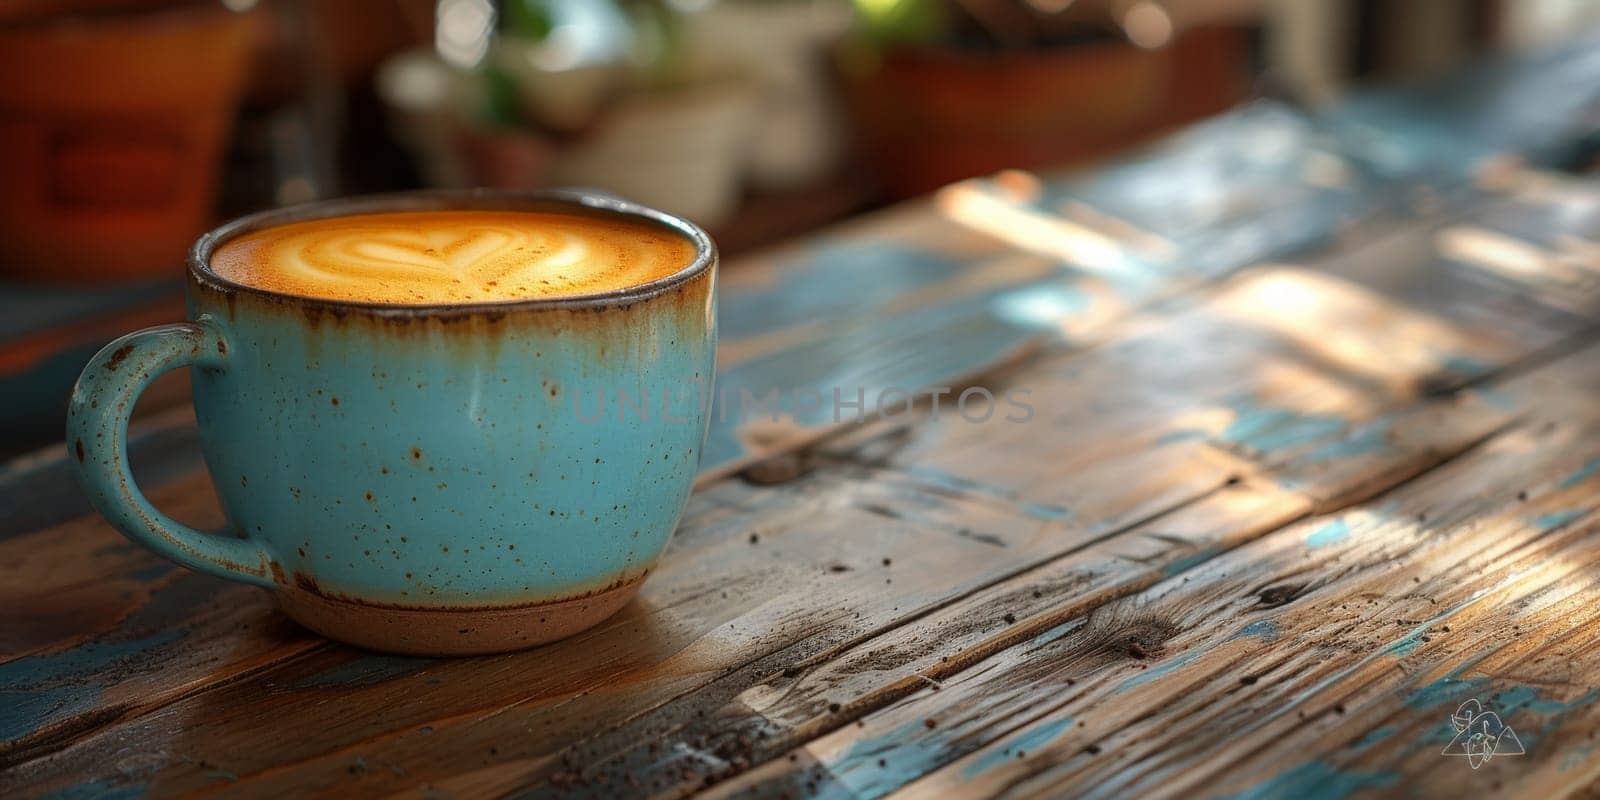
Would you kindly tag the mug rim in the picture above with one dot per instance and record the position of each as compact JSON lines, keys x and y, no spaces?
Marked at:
{"x":583,"y":201}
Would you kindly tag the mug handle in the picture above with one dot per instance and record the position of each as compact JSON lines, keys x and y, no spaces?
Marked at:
{"x":97,"y":435}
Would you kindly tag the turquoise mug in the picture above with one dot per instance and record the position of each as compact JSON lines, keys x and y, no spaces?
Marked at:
{"x":435,"y":480}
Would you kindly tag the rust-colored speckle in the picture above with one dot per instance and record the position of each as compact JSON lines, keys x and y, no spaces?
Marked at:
{"x":416,"y":454}
{"x":79,"y":448}
{"x":118,"y":357}
{"x":369,"y":497}
{"x":306,"y":582}
{"x":222,"y":347}
{"x":334,"y":401}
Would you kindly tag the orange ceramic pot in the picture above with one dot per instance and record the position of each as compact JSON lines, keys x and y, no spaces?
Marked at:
{"x":927,"y":117}
{"x":111,"y":130}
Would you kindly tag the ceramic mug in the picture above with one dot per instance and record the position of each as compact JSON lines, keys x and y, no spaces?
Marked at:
{"x":444,"y":479}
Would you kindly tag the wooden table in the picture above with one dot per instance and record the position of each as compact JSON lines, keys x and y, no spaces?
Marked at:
{"x":1314,"y":467}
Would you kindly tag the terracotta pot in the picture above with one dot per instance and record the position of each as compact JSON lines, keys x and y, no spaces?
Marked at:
{"x":926,"y":118}
{"x":111,"y":129}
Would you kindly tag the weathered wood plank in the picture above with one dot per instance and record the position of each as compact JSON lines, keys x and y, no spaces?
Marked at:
{"x":1262,"y":182}
{"x":39,"y":489}
{"x":90,"y":640}
{"x":47,"y":334}
{"x":836,"y":686}
{"x":1294,"y":433}
{"x":951,"y":520}
{"x":1538,"y":106}
{"x":1311,"y":647}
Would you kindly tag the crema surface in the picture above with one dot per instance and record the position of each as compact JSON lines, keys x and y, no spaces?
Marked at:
{"x":428,"y":257}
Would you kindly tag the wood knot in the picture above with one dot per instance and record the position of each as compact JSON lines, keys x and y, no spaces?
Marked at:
{"x":1439,"y":385}
{"x":1120,"y":632}
{"x":1278,"y":595}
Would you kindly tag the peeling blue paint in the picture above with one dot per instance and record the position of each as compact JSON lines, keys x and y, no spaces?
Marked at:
{"x":1026,"y":742}
{"x":37,"y":689}
{"x":1331,"y":533}
{"x":1370,"y":440}
{"x":806,"y":288}
{"x":1181,"y":435}
{"x":1054,"y":634}
{"x":1466,"y":366}
{"x":1556,"y":519}
{"x":1518,"y":698}
{"x":1045,"y":306}
{"x":1405,"y":644}
{"x":1266,"y":429}
{"x":1158,"y":671}
{"x":1045,"y":511}
{"x":1585,"y":472}
{"x":1500,"y":398}
{"x":1266,"y":630}
{"x":1450,"y":690}
{"x":908,"y":752}
{"x":1374,"y":736}
{"x":890,"y":355}
{"x":1190,"y":561}
{"x":1318,"y":780}
{"x":950,"y":481}
{"x":1239,"y":206}
{"x":1444,"y":695}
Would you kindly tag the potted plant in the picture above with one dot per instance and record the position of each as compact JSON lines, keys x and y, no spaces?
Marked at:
{"x":609,"y":93}
{"x":941,"y":90}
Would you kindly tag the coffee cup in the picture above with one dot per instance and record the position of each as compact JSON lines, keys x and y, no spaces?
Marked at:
{"x":423,"y":476}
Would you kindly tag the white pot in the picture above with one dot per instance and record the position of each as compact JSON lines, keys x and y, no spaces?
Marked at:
{"x":680,"y":151}
{"x":564,"y":98}
{"x":782,"y":44}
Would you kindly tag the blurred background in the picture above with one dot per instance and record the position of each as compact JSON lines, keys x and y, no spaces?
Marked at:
{"x":128,"y":127}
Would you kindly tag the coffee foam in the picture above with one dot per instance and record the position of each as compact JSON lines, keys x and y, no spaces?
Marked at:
{"x":417,"y":258}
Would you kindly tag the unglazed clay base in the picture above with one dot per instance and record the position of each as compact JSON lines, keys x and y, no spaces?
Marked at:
{"x":423,"y":632}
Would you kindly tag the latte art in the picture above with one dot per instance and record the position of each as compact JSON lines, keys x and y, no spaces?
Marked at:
{"x":429,"y":257}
